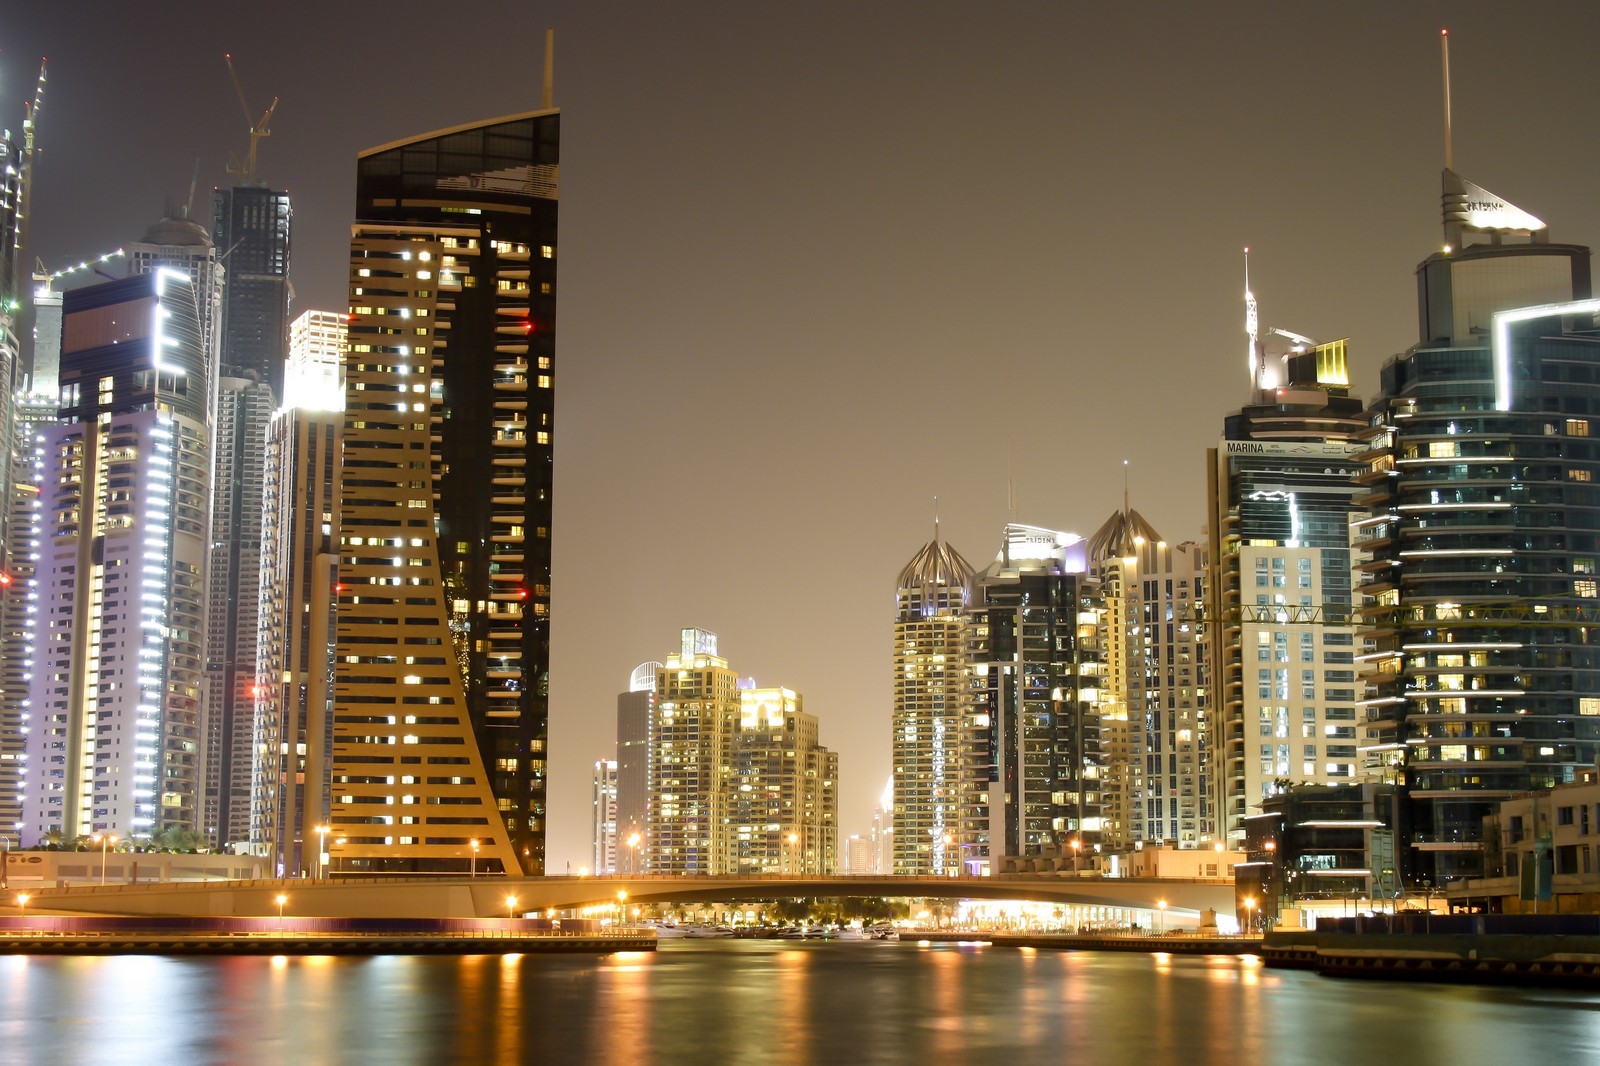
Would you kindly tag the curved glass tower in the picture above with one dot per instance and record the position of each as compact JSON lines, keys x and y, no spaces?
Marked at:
{"x":440,"y":716}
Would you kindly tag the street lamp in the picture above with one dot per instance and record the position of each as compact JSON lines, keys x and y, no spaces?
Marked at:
{"x":473,"y":844}
{"x":322,"y":852}
{"x":5,"y":862}
{"x":1250,"y":913}
{"x":622,"y":907}
{"x":105,"y":840}
{"x":22,"y":901}
{"x":633,"y":854}
{"x":1162,"y":904}
{"x":511,"y":904}
{"x":280,"y":899}
{"x":790,"y":862}
{"x":1077,"y":848}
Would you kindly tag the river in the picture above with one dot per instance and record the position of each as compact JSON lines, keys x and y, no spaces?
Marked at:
{"x":782,"y":1002}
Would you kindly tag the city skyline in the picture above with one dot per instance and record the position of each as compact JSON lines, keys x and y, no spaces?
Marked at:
{"x":829,"y":237}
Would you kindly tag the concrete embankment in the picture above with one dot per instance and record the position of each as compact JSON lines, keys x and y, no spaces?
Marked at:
{"x":1186,"y":944}
{"x":74,"y":935}
{"x":1481,"y":949}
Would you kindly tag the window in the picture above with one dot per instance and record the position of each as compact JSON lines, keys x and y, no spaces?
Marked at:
{"x":1577,"y":427}
{"x":1564,"y":816}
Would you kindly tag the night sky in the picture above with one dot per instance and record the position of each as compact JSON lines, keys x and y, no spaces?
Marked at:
{"x":821,"y":263}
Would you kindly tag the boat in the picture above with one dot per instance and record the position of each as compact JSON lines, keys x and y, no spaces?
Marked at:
{"x":700,"y":932}
{"x":667,"y":932}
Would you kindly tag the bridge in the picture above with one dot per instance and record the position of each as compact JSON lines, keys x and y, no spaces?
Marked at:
{"x":492,"y":896}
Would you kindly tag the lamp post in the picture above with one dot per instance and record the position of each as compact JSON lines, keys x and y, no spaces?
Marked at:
{"x":22,"y":901}
{"x":511,"y":906}
{"x":280,"y":899}
{"x":473,"y":844}
{"x":622,"y":907}
{"x":633,"y":854}
{"x":1250,"y":913}
{"x":5,"y":862}
{"x":105,"y":841}
{"x":1162,"y":915}
{"x":322,"y":852}
{"x":1077,"y":849}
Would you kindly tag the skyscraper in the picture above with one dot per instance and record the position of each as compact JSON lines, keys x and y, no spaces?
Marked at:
{"x":115,"y":730}
{"x":1483,"y":533}
{"x":1153,"y":702}
{"x":293,"y":744}
{"x":782,"y":805}
{"x":1034,"y":767}
{"x":1281,"y":637}
{"x":930,"y":709}
{"x":740,"y":782}
{"x":244,"y":406}
{"x":636,"y":711}
{"x":696,"y":716}
{"x":251,"y":226}
{"x":250,"y":223}
{"x":604,"y":820}
{"x":446,"y":500}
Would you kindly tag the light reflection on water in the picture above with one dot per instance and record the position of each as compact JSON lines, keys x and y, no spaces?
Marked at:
{"x":764,"y":1002}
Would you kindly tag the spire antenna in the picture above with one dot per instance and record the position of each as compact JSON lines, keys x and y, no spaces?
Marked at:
{"x":1449,"y":148}
{"x":1251,"y":327}
{"x":549,"y":69}
{"x":1126,"y":506}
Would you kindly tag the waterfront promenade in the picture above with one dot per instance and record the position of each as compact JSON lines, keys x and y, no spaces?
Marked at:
{"x":44,"y":934}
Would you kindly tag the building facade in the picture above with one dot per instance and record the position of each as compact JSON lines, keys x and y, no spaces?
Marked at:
{"x":783,"y":804}
{"x":636,"y":713}
{"x":293,"y":721}
{"x":603,"y":800}
{"x":1482,"y":532}
{"x":1154,"y":706}
{"x":1280,"y":630}
{"x":251,"y":224}
{"x":448,"y":446}
{"x":696,"y":716}
{"x":115,"y":703}
{"x":930,"y":709}
{"x":1033,"y":765}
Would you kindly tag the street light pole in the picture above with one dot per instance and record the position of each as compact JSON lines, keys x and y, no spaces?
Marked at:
{"x":511,"y":903}
{"x":106,"y":840}
{"x":280,"y":900}
{"x":474,"y":845}
{"x":322,"y":853}
{"x":1162,"y":904}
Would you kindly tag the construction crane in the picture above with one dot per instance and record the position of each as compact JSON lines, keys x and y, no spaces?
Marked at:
{"x":45,"y":277}
{"x":247,"y":170}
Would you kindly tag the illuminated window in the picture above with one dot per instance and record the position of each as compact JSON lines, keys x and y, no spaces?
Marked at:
{"x":1578,"y":474}
{"x":1586,"y":586}
{"x":1577,"y":427}
{"x":1443,"y":449}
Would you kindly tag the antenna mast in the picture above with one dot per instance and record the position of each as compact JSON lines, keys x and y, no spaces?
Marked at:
{"x":1449,"y":148}
{"x":549,"y":69}
{"x":1252,"y":324}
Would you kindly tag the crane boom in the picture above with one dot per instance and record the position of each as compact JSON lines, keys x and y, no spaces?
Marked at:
{"x":258,"y":130}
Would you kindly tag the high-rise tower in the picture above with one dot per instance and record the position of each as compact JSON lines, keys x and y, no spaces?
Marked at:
{"x":636,"y":710}
{"x":1034,"y":768}
{"x":446,"y":500}
{"x":1483,"y":533}
{"x":1280,"y":634}
{"x":250,"y":223}
{"x":1154,"y":720}
{"x":115,"y":733}
{"x":294,"y":668}
{"x":930,"y":709}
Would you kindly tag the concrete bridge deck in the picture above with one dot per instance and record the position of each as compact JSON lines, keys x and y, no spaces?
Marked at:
{"x":486,"y":896}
